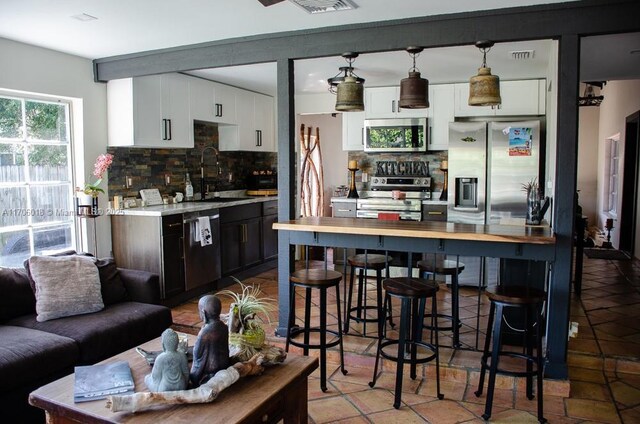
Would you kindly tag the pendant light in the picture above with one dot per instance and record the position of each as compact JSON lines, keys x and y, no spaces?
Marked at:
{"x":349,"y":87}
{"x":484,"y":88}
{"x":414,"y":90}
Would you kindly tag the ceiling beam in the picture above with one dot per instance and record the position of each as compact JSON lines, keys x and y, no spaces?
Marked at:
{"x":591,"y":17}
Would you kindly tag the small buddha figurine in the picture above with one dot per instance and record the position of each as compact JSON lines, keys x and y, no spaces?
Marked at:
{"x":211,"y":351}
{"x":171,"y":368}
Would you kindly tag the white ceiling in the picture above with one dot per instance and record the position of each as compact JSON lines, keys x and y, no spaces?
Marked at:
{"x":125,"y":26}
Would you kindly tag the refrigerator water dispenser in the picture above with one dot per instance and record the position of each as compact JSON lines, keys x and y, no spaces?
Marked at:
{"x":466,"y":192}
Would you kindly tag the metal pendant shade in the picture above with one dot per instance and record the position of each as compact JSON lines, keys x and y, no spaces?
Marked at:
{"x":414,"y":90}
{"x":484,"y":88}
{"x":349,"y":88}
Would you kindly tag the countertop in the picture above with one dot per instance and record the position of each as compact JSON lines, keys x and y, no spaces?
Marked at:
{"x":423,"y":229}
{"x":185,"y":207}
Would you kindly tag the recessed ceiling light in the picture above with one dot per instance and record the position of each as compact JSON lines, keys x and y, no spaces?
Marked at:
{"x":84,"y":17}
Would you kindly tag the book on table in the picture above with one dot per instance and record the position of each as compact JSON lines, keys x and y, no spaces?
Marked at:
{"x":94,"y":382}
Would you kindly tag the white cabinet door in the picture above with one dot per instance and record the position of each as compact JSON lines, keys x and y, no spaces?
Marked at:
{"x":202,"y":105}
{"x":148,"y":124}
{"x":264,"y":122}
{"x":381,"y":102}
{"x":441,"y":112}
{"x":518,"y":98}
{"x":225,"y":104}
{"x":151,"y":111}
{"x":175,"y":111}
{"x":246,"y":120}
{"x":353,"y":130}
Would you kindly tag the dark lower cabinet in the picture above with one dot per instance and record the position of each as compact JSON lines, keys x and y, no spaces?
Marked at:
{"x":173,"y":255}
{"x":240,"y":237}
{"x":269,"y":237}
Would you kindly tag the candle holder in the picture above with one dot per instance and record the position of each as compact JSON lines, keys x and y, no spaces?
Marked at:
{"x":353,"y":194}
{"x":444,"y":194}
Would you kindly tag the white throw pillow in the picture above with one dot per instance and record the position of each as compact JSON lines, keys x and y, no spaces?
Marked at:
{"x":65,"y":286}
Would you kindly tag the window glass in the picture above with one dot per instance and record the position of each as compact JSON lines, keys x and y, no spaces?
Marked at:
{"x":10,"y":118}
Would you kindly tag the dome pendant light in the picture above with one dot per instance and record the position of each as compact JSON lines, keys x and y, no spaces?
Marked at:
{"x":484,"y":88}
{"x":349,"y":89}
{"x":414,"y":90}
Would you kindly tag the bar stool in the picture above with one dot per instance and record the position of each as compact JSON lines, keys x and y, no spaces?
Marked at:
{"x":452,"y":268}
{"x":529,"y":300}
{"x":358,"y":313}
{"x":318,"y":279}
{"x":413,"y":294}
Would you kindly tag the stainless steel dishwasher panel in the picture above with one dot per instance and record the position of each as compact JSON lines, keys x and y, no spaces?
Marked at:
{"x":201,"y":263}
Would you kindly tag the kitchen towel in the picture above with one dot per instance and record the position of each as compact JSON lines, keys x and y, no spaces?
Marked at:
{"x":203,"y":231}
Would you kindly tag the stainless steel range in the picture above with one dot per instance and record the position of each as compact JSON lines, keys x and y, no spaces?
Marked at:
{"x":410,"y":178}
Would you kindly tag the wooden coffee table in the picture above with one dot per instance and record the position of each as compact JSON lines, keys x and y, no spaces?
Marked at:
{"x":279,"y":393}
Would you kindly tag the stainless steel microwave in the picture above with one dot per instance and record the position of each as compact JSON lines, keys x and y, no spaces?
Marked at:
{"x":395,"y":135}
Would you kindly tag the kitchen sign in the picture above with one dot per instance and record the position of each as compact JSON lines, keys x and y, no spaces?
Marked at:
{"x":391,"y":168}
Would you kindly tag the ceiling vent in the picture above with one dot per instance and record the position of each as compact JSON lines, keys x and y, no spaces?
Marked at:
{"x":522,"y":54}
{"x":321,"y":6}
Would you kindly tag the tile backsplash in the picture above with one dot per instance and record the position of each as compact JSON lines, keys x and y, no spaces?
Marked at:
{"x":165,"y":169}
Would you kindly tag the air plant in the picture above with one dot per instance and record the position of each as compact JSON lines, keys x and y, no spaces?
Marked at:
{"x":246,"y":335}
{"x":532,"y":187}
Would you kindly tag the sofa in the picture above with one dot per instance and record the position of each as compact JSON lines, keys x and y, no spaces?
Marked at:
{"x":35,"y":352}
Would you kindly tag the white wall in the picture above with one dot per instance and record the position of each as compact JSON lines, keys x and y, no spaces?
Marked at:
{"x":621,"y":99}
{"x":334,"y":159}
{"x":588,"y":124}
{"x":551,"y":120}
{"x":37,"y":70}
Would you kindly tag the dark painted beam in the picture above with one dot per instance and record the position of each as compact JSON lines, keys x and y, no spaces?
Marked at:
{"x":286,"y":185}
{"x":520,"y":23}
{"x":564,"y":206}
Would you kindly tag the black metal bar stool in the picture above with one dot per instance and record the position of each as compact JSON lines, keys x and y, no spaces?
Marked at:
{"x":319,"y":279}
{"x":453,"y":268}
{"x":358,"y":313}
{"x":530,"y":300}
{"x":413,"y":294}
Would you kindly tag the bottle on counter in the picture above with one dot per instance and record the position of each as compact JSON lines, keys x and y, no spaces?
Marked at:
{"x":188,"y":188}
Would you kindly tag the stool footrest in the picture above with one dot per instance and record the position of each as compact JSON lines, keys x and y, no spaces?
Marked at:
{"x":443,"y":316}
{"x":484,"y":361}
{"x":408,"y":344}
{"x":362,"y":308}
{"x":295,"y":331}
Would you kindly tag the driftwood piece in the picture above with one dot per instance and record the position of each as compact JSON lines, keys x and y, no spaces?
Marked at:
{"x":206,"y":393}
{"x":320,"y":209}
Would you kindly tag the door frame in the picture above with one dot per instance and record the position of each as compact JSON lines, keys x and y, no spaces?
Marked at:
{"x":629,"y":207}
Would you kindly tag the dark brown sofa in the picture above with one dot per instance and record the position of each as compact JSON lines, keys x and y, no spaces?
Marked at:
{"x":34,"y":353}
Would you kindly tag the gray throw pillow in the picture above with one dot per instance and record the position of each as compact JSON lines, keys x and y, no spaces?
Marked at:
{"x":65,"y":286}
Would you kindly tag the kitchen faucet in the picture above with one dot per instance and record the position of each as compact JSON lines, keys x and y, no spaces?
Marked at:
{"x":203,"y":189}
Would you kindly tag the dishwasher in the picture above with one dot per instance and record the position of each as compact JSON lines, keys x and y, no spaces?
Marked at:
{"x":201,"y":263}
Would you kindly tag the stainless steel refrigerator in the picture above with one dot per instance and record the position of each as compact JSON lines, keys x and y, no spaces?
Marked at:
{"x":489,"y":161}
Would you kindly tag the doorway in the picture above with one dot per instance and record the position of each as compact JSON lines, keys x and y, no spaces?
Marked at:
{"x":628,"y":216}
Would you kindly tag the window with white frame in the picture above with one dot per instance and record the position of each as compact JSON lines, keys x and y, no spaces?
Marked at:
{"x":611,"y":199}
{"x":36,"y":201}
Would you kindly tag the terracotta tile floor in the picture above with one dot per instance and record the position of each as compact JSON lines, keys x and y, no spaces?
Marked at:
{"x":604,"y":361}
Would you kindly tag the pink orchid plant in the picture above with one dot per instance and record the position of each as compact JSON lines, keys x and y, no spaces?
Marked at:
{"x":103,"y":162}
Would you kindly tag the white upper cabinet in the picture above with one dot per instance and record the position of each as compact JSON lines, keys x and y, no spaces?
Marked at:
{"x":255,"y":129}
{"x":526,"y":97}
{"x":353,"y":131}
{"x":382,"y":102}
{"x":151,"y":111}
{"x":212,"y":102}
{"x":224,"y":103}
{"x":440,"y":113}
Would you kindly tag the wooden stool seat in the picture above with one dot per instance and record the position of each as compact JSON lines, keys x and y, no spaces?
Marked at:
{"x":369,"y":261}
{"x":446,"y":267}
{"x":410,"y":287}
{"x":516,"y":295}
{"x":316,"y":277}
